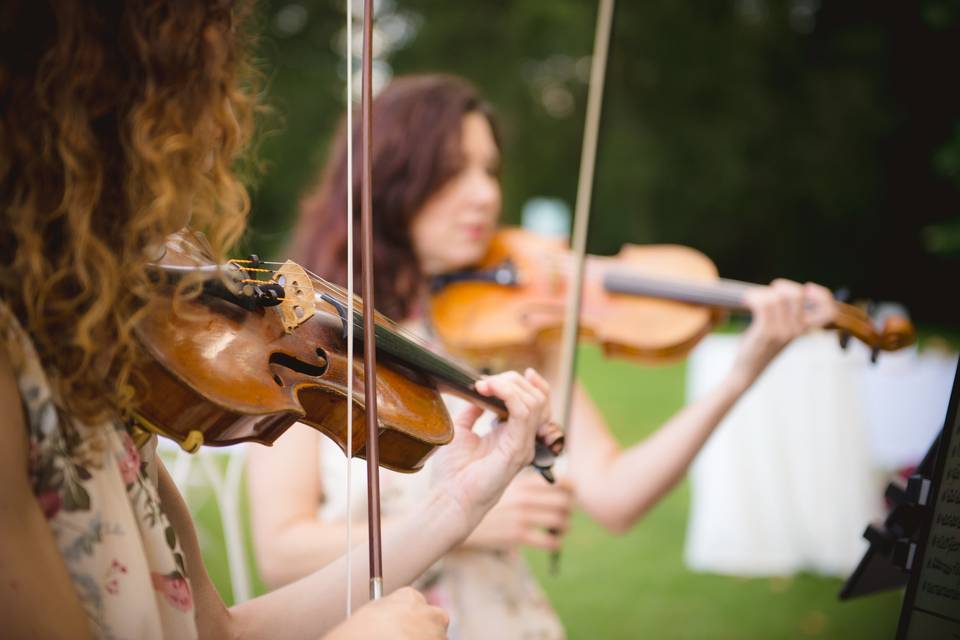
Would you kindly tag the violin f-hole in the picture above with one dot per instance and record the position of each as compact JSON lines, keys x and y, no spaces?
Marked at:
{"x":314,"y":370}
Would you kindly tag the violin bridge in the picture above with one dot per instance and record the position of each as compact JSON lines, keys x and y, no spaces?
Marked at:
{"x":299,"y":302}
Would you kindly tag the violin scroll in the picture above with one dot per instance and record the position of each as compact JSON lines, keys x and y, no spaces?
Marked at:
{"x":893,"y":333}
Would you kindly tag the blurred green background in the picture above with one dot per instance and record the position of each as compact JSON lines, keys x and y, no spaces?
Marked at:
{"x":811,"y":139}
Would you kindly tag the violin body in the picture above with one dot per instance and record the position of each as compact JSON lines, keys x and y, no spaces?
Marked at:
{"x":237,"y":376}
{"x":219,"y":374}
{"x":499,"y":326}
{"x":650,"y":303}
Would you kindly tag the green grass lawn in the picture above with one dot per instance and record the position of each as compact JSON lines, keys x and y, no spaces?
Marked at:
{"x":636,"y":585}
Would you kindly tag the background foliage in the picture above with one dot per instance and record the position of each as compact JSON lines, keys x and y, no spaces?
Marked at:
{"x":799,"y":138}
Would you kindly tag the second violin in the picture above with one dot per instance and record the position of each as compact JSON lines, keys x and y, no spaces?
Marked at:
{"x":649,"y":303}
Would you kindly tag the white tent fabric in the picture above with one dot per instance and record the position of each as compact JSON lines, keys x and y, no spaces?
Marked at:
{"x":907,"y":395}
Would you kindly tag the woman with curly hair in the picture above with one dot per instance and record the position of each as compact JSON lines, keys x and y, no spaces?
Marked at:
{"x":120,"y":123}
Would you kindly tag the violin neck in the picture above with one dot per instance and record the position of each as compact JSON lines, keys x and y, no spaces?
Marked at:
{"x":723,"y":294}
{"x":398,"y":348}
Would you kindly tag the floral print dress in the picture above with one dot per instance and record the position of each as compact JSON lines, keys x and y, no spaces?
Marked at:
{"x":99,"y":494}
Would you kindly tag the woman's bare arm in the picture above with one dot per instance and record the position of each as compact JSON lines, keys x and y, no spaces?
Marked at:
{"x":315,"y":604}
{"x":291,"y":541}
{"x":473,"y":472}
{"x":285,"y":488}
{"x":33,"y":577}
{"x":617,"y":487}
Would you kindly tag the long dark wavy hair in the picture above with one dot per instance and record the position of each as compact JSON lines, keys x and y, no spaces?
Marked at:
{"x":417,"y":124}
{"x":119,"y":121}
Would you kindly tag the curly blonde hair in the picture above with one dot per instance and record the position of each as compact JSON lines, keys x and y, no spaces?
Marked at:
{"x":119,"y":122}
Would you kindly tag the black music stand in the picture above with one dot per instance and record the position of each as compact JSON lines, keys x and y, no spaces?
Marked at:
{"x":919,"y":542}
{"x":883,"y":566}
{"x":931,"y":604}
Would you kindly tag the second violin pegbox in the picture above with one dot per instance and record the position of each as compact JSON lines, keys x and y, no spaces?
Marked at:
{"x":299,"y":300}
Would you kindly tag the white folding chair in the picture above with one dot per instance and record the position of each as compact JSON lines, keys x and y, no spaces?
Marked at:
{"x":225,"y":485}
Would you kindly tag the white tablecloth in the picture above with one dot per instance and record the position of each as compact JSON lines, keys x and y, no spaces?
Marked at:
{"x":793,"y":475}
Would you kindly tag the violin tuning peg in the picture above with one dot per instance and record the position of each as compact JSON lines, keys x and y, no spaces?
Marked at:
{"x":505,"y":276}
{"x":874,"y":355}
{"x":543,"y":459}
{"x":844,"y":338}
{"x":871,"y":308}
{"x":254,"y":260}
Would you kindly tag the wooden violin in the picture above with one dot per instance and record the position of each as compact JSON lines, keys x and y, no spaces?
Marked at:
{"x":246,"y":358}
{"x":648,"y":303}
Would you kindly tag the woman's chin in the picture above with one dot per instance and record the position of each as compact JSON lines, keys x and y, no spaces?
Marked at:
{"x":472,"y":255}
{"x":457,"y":257}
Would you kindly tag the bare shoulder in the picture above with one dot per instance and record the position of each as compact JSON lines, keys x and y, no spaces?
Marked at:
{"x":13,"y":456}
{"x":33,"y":576}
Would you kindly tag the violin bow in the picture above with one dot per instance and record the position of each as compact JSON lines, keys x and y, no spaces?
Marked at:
{"x":369,"y":338}
{"x":581,"y":215}
{"x":369,"y":344}
{"x":350,"y":305}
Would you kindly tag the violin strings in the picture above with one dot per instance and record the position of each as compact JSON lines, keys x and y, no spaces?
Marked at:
{"x":391,"y":328}
{"x":402,"y":343}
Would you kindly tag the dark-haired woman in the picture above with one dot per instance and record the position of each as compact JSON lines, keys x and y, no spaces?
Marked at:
{"x":119,"y":124}
{"x":437,"y":201}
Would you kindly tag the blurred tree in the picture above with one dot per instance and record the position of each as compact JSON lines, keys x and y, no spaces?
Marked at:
{"x":305,"y":92}
{"x":944,"y":238}
{"x":782,"y":137}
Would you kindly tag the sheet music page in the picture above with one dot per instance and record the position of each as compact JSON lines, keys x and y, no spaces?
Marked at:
{"x":936,"y":612}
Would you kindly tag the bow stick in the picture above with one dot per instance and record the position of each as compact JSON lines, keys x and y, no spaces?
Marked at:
{"x":581,"y":215}
{"x":369,"y":344}
{"x":369,"y":339}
